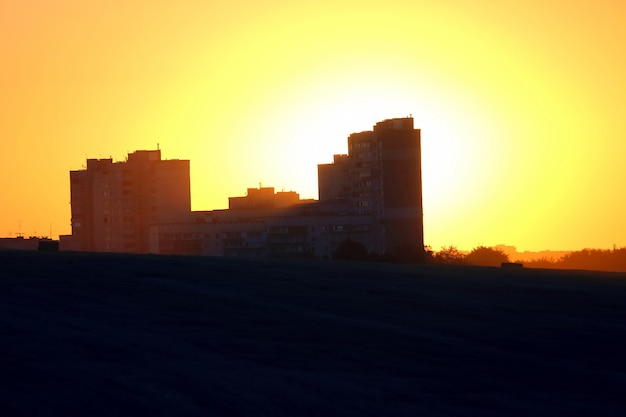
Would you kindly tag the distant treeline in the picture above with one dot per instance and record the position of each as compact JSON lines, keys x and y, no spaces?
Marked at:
{"x":612,"y":260}
{"x":596,"y":259}
{"x":593,"y":259}
{"x":484,"y":256}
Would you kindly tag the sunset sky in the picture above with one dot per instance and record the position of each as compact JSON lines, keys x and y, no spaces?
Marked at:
{"x":522,"y":105}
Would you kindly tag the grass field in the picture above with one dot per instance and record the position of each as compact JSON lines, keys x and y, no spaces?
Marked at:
{"x":103,"y":335}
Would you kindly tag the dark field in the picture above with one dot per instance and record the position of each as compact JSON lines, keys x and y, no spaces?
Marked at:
{"x":112,"y":335}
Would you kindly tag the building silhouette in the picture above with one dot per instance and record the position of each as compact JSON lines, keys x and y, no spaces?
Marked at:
{"x":302,"y":228}
{"x":372,"y":195}
{"x":32,"y":243}
{"x":381,"y":177}
{"x":114,"y":204}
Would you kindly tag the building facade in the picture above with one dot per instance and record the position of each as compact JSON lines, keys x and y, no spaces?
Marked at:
{"x":114,"y":204}
{"x":32,"y":243}
{"x":372,"y":195}
{"x":303,"y":230}
{"x":381,"y":177}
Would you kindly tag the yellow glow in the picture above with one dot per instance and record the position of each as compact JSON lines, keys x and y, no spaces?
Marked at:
{"x":521,"y":105}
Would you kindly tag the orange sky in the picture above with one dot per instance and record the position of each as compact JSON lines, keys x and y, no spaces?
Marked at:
{"x":522,"y":105}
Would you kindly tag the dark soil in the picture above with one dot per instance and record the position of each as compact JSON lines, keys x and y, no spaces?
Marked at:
{"x":104,"y":335}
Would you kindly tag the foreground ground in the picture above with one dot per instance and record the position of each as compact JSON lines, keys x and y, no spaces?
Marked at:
{"x":128,"y":335}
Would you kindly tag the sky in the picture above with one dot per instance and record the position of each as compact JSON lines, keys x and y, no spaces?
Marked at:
{"x":521,"y":105}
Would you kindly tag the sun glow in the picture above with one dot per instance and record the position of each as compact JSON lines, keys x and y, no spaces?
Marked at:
{"x":520,"y":105}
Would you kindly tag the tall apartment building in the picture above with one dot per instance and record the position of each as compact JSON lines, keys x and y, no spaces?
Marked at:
{"x":114,"y":204}
{"x":381,"y":177}
{"x":372,"y":195}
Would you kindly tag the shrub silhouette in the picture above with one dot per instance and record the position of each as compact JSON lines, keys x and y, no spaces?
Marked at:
{"x":542,"y":263}
{"x":485,"y":256}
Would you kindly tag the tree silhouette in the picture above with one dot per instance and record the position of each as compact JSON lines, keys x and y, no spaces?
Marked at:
{"x":429,"y":254}
{"x":485,"y":256}
{"x":596,"y":259}
{"x":449,"y":256}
